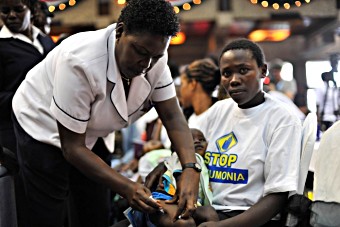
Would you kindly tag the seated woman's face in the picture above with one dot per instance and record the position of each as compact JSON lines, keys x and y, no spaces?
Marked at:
{"x":15,"y":15}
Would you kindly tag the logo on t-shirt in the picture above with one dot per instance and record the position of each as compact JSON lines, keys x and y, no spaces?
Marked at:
{"x":220,"y":163}
{"x":226,"y":142}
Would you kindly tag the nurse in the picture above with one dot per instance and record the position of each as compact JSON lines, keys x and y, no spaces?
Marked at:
{"x":94,"y":83}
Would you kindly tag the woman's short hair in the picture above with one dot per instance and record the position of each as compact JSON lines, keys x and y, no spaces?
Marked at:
{"x":246,"y":44}
{"x":153,"y":16}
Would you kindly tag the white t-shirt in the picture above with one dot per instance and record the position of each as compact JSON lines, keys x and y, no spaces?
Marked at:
{"x":195,"y":121}
{"x":79,"y":84}
{"x":251,"y":152}
{"x":327,"y":166}
{"x":290,"y":104}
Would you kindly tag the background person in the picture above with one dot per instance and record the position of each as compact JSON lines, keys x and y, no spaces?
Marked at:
{"x":325,"y":209}
{"x":198,"y":81}
{"x":328,"y":96}
{"x":71,"y":98}
{"x":289,"y":88}
{"x":42,"y":17}
{"x":22,"y":46}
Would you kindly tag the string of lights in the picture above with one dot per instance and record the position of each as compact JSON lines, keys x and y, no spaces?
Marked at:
{"x":179,"y":5}
{"x":60,"y":5}
{"x":277,"y":4}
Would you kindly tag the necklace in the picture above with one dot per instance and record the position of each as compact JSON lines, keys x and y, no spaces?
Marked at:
{"x":127,"y":80}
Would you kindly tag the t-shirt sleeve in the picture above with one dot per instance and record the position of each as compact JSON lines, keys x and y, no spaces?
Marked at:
{"x":165,"y":88}
{"x":283,"y":160}
{"x":72,"y":94}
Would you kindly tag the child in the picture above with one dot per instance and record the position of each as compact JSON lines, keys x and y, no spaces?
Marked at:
{"x":166,"y":190}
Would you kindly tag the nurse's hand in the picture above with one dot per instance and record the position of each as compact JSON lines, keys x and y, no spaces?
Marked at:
{"x":139,"y":198}
{"x":187,"y":192}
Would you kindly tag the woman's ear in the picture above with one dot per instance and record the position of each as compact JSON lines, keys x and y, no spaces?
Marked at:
{"x":119,"y":30}
{"x":193,"y":84}
{"x":264,"y":70}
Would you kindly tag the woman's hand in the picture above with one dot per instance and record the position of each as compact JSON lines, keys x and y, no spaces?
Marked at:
{"x":186,"y":194}
{"x":139,"y":198}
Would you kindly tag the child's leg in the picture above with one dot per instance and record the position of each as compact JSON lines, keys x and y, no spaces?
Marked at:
{"x":166,"y":219}
{"x":123,"y":223}
{"x":204,"y":214}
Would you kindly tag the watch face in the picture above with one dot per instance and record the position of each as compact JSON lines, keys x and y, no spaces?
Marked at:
{"x":198,"y":166}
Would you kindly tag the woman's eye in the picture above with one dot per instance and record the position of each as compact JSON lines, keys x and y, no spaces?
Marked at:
{"x":244,"y":70}
{"x":141,"y":52}
{"x":5,"y":10}
{"x":19,"y":9}
{"x":226,"y":74}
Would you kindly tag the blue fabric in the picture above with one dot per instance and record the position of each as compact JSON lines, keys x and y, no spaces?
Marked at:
{"x":160,"y":196}
{"x":139,"y":219}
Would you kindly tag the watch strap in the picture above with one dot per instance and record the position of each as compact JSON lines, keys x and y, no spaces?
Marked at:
{"x":192,"y":165}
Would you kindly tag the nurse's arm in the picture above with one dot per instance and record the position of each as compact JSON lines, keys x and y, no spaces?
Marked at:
{"x":179,"y":133}
{"x":77,"y":154}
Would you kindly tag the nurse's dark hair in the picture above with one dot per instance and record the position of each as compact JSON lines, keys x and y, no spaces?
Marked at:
{"x":205,"y":72}
{"x":246,"y":44}
{"x":152,"y":16}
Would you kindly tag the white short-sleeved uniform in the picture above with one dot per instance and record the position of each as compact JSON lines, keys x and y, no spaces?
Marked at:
{"x":251,"y":152}
{"x":79,"y":84}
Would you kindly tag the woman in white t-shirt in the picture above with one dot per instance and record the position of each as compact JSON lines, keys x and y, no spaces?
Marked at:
{"x":254,"y":143}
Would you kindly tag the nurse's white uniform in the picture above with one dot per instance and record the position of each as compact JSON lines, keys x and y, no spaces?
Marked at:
{"x":79,"y":85}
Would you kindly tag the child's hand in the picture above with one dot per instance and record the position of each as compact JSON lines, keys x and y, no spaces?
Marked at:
{"x":153,"y":177}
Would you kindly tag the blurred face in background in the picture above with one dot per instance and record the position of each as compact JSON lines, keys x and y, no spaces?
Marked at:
{"x":334,"y":63}
{"x":41,"y":19}
{"x":16,"y":16}
{"x":186,"y":91}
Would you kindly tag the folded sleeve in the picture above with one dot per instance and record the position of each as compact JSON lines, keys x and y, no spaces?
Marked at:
{"x":165,"y":88}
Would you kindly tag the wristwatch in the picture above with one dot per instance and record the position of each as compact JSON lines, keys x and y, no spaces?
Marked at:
{"x":193,"y":165}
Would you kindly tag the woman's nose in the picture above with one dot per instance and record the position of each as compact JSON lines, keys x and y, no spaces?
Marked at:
{"x":12,"y":13}
{"x":235,"y":79}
